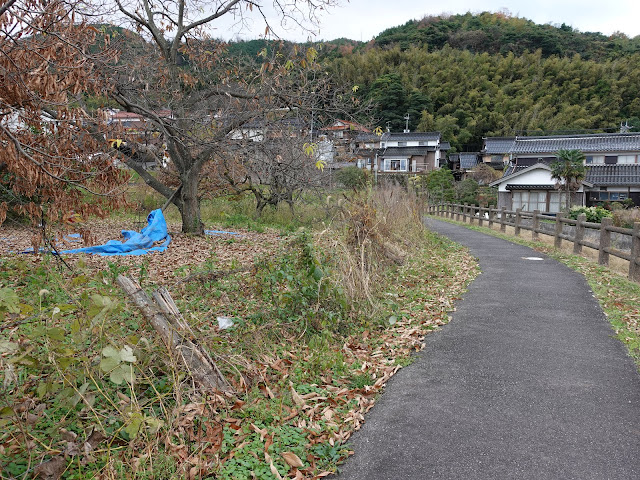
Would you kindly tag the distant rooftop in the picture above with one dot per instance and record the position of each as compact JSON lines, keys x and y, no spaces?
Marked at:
{"x":598,"y":142}
{"x":411,"y":136}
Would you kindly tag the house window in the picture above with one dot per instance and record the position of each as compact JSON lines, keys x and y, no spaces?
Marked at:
{"x":627,"y":159}
{"x":530,"y":200}
{"x":402,"y":144}
{"x":395,"y":165}
{"x":537,"y":200}
{"x":608,"y":196}
{"x":557,"y":201}
{"x":611,"y":160}
{"x":594,"y":159}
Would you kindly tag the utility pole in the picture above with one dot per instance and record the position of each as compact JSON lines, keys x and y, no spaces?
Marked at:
{"x":406,"y":128}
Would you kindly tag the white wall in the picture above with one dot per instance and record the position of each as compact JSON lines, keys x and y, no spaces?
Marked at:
{"x":538,"y":176}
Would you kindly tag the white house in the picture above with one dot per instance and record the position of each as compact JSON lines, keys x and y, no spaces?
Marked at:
{"x":410,"y":152}
{"x":532,"y":188}
{"x":612,"y":162}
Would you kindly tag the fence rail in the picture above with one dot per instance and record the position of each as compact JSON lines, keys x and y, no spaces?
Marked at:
{"x":535,"y":222}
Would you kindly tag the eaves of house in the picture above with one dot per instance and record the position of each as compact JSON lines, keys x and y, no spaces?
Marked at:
{"x":591,"y":143}
{"x":405,"y":151}
{"x":614,"y":175}
{"x":597,"y":175}
{"x":411,"y":137}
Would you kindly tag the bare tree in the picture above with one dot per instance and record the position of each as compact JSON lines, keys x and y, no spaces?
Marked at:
{"x":275,"y":170}
{"x":208,"y":95}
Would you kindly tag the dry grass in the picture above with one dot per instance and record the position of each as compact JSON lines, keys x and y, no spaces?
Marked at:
{"x":378,"y":228}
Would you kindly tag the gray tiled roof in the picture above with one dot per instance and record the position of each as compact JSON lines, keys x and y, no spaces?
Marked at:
{"x":411,"y":136}
{"x":445,"y":146}
{"x":405,"y":151}
{"x":611,"y":142}
{"x":599,"y":175}
{"x":605,"y":175}
{"x":367,"y":137}
{"x":592,"y":143}
{"x":468,"y":160}
{"x":498,"y":145}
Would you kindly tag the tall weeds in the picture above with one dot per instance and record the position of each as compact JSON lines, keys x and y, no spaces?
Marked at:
{"x":373,"y":230}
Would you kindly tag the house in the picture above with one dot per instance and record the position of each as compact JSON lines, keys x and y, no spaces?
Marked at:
{"x":464,"y":161}
{"x":344,"y":130}
{"x":410,"y":152}
{"x":612,"y":161}
{"x":256,"y":130}
{"x":342,"y":134}
{"x":532,"y":188}
{"x":367,"y":146}
{"x":133,"y":122}
{"x":444,"y":149}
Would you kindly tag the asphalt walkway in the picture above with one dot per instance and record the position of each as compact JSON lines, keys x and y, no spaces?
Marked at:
{"x":526,"y":382}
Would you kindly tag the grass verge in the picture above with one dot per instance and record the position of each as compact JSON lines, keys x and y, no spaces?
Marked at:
{"x":88,"y":391}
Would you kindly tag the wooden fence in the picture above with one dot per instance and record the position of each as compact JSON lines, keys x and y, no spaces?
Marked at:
{"x":535,"y":222}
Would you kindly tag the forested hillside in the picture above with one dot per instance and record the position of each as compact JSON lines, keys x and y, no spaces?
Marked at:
{"x":467,"y":96}
{"x":571,"y":82}
{"x":470,"y":76}
{"x":502,"y":33}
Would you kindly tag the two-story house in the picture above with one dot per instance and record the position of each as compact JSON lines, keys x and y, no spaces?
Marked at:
{"x":612,"y":161}
{"x":411,"y":152}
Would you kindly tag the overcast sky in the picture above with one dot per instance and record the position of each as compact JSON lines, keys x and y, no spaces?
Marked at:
{"x":364,"y":19}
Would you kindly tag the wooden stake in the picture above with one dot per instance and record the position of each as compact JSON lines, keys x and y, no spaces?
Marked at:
{"x":165,"y":318}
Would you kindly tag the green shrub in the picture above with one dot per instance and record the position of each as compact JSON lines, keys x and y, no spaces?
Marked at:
{"x":594,"y":214}
{"x":353,"y":177}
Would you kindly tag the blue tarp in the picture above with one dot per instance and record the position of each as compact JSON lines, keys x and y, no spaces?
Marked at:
{"x":135,"y":243}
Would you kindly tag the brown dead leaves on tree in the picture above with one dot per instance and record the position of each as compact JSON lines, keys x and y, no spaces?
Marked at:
{"x":48,"y":159}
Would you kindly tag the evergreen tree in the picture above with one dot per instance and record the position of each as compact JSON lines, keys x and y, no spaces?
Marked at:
{"x":569,"y":171}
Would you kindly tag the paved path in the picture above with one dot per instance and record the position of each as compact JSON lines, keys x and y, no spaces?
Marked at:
{"x":525,"y":383}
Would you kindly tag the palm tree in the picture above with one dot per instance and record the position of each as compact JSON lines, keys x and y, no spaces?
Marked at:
{"x":569,"y":171}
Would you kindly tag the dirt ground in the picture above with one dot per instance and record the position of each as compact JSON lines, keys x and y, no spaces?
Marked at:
{"x":239,"y":247}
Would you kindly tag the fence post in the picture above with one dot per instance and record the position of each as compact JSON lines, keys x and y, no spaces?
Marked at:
{"x":450,"y":210}
{"x":579,"y":236}
{"x":480,"y":216}
{"x":457,"y":212}
{"x":503,"y":220}
{"x":464,"y":213}
{"x":518,"y":220}
{"x":536,"y":225}
{"x":634,"y":267}
{"x":557,"y":240}
{"x":605,"y":241}
{"x":491,"y":212}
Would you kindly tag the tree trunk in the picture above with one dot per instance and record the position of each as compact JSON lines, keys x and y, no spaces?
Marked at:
{"x":189,"y":205}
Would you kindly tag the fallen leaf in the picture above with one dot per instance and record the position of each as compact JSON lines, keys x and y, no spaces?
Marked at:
{"x":292,"y":459}
{"x":297,"y":399}
{"x":275,"y":472}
